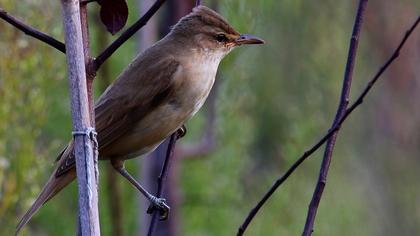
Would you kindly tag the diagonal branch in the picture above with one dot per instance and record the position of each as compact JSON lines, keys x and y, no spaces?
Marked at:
{"x":341,"y":110}
{"x":162,"y":176}
{"x":381,"y":70}
{"x":32,"y":31}
{"x":330,"y":132}
{"x":127,"y":34}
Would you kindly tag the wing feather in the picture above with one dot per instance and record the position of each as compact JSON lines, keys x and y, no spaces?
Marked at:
{"x":132,"y":96}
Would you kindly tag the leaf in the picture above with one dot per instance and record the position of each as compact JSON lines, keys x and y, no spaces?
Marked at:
{"x":114,"y":14}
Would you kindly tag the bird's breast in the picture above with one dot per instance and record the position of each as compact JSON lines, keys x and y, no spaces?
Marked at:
{"x":197,"y":82}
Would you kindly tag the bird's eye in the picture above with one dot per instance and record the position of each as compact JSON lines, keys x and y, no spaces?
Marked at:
{"x":221,"y":38}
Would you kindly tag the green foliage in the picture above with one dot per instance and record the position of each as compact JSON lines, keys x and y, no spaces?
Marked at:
{"x":28,"y":73}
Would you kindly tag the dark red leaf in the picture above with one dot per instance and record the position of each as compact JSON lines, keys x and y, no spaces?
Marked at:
{"x":114,"y":14}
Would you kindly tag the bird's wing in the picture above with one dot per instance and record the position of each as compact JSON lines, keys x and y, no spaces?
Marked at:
{"x":126,"y":101}
{"x":132,"y":96}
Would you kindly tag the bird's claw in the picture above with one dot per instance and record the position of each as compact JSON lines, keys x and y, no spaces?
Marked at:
{"x":160,"y":205}
{"x":181,"y":132}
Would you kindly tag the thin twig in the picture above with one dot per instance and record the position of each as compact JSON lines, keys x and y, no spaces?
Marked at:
{"x":330,"y":132}
{"x":383,"y":68}
{"x":32,"y":31}
{"x":161,"y":178}
{"x":341,"y":110}
{"x":127,"y":34}
{"x":87,"y":1}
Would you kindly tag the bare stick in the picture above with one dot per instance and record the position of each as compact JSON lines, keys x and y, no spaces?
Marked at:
{"x":86,"y":1}
{"x":127,"y":34}
{"x":82,"y":130}
{"x":330,"y":132}
{"x":383,"y":68}
{"x":32,"y":31}
{"x":161,"y":178}
{"x":342,"y":107}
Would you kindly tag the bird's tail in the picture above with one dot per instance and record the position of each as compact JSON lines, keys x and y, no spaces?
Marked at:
{"x":53,"y":186}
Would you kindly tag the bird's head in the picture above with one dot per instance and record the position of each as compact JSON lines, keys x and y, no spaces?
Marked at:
{"x":206,"y":30}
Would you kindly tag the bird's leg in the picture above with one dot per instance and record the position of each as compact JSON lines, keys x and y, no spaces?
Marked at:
{"x":156,"y":203}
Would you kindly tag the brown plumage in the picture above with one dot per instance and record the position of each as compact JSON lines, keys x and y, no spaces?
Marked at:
{"x":156,"y":94}
{"x":204,"y":16}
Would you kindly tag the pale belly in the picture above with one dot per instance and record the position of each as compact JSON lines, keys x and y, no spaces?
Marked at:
{"x":152,"y":130}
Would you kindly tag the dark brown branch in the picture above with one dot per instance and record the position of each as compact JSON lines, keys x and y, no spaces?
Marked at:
{"x":87,"y":1}
{"x":32,"y":31}
{"x":127,"y":34}
{"x":161,"y":178}
{"x":330,"y":132}
{"x":341,"y":110}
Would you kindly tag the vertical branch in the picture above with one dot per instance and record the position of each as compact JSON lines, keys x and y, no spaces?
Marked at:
{"x":161,"y":178}
{"x":344,"y":101}
{"x":82,"y":129}
{"x":90,"y":76}
{"x":90,"y":70}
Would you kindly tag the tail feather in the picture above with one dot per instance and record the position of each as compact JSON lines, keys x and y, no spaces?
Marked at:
{"x":53,"y":186}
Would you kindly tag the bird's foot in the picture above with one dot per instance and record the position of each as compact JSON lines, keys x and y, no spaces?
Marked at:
{"x":181,"y":132}
{"x":160,"y":205}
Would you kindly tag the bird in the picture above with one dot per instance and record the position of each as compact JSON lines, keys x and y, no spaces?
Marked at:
{"x":158,"y":92}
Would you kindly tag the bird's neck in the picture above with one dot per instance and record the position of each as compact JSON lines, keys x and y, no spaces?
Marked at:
{"x":200,"y":63}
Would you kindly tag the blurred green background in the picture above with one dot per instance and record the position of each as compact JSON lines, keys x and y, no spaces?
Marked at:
{"x":272,"y":103}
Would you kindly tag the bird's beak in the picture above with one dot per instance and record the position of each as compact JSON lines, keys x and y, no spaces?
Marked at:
{"x":248,"y":39}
